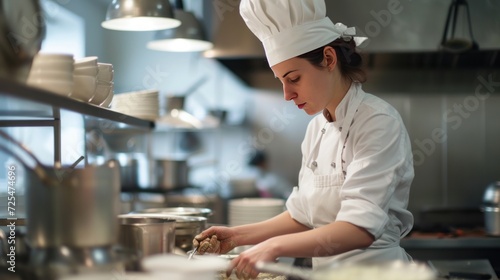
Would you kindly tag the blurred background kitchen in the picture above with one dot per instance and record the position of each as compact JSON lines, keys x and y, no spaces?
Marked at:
{"x":448,"y":99}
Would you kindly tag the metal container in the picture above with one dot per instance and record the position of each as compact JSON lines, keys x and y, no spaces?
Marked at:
{"x":186,"y":227}
{"x":171,"y":173}
{"x":147,"y":235}
{"x":180,"y":211}
{"x":491,"y":209}
{"x":492,"y":220}
{"x":491,"y":195}
{"x":78,"y":209}
{"x":129,"y":173}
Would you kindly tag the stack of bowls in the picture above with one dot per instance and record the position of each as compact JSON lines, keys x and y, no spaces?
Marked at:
{"x":85,"y":78}
{"x":104,"y":90}
{"x":141,"y":104}
{"x":252,"y":210}
{"x":52,"y":72}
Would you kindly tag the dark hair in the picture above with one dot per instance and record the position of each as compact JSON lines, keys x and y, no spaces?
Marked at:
{"x":350,"y":61}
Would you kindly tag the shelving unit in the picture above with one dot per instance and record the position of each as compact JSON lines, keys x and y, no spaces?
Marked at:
{"x":22,"y":105}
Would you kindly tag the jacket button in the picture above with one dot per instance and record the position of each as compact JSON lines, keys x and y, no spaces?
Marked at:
{"x":333,"y":164}
{"x":314,"y":163}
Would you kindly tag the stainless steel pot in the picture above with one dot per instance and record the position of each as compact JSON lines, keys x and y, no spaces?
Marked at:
{"x":147,"y":235}
{"x":491,"y":209}
{"x":171,"y":173}
{"x":186,"y":227}
{"x":180,"y":211}
{"x":77,"y":210}
{"x":492,"y":220}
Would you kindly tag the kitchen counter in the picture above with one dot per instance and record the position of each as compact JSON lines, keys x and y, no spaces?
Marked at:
{"x":468,"y":245}
{"x":436,"y":241}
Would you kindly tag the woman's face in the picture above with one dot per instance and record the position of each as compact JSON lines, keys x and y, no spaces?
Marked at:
{"x":309,"y":87}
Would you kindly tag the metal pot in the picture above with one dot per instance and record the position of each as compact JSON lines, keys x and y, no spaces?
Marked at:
{"x":147,"y":235}
{"x":77,"y":210}
{"x":180,"y":211}
{"x":491,"y":209}
{"x":186,"y":227}
{"x":171,"y":173}
{"x":492,"y":220}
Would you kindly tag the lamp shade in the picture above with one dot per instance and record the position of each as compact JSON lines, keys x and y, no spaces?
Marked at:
{"x":188,"y":37}
{"x":140,"y":15}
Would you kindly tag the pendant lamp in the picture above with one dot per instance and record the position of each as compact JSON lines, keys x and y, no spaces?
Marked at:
{"x":188,"y":37}
{"x":453,"y":44}
{"x":140,"y":15}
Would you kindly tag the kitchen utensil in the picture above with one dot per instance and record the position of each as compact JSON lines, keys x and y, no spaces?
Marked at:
{"x":79,"y":210}
{"x":186,"y":228}
{"x":491,"y":209}
{"x":180,"y":211}
{"x":147,"y":235}
{"x":171,"y":173}
{"x":70,"y":214}
{"x":191,"y":253}
{"x":491,"y":196}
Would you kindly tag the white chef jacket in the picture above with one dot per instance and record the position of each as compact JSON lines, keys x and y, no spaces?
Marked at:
{"x":357,"y":169}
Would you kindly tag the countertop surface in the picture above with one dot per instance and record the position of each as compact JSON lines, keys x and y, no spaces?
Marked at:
{"x":456,"y":239}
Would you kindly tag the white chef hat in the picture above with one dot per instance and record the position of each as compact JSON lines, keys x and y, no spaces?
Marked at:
{"x":289,"y":28}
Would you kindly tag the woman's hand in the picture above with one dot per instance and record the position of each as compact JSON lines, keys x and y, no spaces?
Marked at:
{"x":215,"y":240}
{"x":244,"y":264}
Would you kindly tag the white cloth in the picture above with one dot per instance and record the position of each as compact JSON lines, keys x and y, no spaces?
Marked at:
{"x":288,"y":28}
{"x":374,"y":190}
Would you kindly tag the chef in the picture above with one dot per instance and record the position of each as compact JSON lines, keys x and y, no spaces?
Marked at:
{"x":354,"y":183}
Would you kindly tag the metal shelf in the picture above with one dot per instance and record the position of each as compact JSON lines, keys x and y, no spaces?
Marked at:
{"x":19,"y":102}
{"x":25,"y":106}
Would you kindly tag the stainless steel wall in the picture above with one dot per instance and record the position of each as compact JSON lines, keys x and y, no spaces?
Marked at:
{"x":452,"y":116}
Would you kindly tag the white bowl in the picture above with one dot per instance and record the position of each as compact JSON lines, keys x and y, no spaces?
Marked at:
{"x":53,"y":57}
{"x":105,"y":67}
{"x":51,"y":75}
{"x":86,"y":71}
{"x":90,"y":61}
{"x":105,"y":76}
{"x":52,"y":65}
{"x":84,"y":87}
{"x":59,"y":87}
{"x":108,"y":100}
{"x":101,"y":93}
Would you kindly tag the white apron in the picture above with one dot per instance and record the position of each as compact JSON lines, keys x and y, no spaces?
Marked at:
{"x":325,"y":196}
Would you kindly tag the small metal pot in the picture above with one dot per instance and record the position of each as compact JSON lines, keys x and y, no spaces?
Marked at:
{"x":492,"y":220}
{"x":491,"y":209}
{"x":180,"y":211}
{"x":147,"y":235}
{"x":186,"y":227}
{"x":171,"y":173}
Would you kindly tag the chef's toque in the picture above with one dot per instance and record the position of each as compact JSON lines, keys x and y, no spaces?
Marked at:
{"x":289,"y":28}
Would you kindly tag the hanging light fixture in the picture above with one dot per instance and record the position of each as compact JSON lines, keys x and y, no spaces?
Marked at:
{"x":188,"y":37}
{"x":140,"y":15}
{"x":453,"y":44}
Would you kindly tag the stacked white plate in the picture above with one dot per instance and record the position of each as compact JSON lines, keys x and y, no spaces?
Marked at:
{"x":143,"y":104}
{"x":252,"y":210}
{"x":52,"y":72}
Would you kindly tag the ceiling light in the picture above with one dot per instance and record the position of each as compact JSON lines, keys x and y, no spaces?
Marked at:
{"x":188,"y":37}
{"x":140,"y":15}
